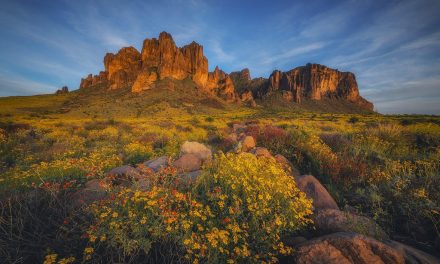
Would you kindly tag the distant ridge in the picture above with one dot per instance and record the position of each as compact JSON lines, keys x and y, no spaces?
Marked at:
{"x":161,"y":58}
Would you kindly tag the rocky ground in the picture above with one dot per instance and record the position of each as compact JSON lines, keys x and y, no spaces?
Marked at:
{"x":337,"y":236}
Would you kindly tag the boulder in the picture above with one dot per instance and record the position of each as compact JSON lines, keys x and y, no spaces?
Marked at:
{"x":261,"y":152}
{"x":247,"y":144}
{"x":123,"y":173}
{"x":94,"y":190}
{"x":331,"y":221}
{"x":287,"y":166}
{"x":156,"y":164}
{"x":316,"y":191}
{"x":346,"y":248}
{"x":197,"y":149}
{"x":188,"y":162}
{"x":412,"y":255}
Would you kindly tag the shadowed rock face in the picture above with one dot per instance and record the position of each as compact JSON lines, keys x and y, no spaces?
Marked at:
{"x":315,"y":81}
{"x":161,"y":58}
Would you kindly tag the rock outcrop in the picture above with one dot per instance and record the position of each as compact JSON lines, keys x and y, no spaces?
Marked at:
{"x":315,"y":82}
{"x":161,"y":58}
{"x":63,"y":90}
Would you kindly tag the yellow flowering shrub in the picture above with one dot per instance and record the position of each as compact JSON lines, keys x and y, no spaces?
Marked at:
{"x":252,"y":203}
{"x":235,"y":212}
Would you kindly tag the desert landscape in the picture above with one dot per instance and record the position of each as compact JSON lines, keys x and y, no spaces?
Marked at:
{"x":155,"y":158}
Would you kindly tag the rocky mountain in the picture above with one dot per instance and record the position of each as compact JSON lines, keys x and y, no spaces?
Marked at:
{"x":161,"y":58}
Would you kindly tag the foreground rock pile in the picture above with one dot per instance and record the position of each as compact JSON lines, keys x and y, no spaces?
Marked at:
{"x":336,"y":237}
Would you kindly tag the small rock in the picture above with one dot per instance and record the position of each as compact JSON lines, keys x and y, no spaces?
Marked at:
{"x":198,"y":149}
{"x":330,"y":221}
{"x":188,"y":163}
{"x":261,"y":152}
{"x":157,"y":164}
{"x":123,"y":173}
{"x":190,"y":177}
{"x":316,"y":191}
{"x":247,"y":144}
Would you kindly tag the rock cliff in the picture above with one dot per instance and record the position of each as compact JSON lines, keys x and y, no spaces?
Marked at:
{"x":161,"y":58}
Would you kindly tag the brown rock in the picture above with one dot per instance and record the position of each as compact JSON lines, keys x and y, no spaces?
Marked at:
{"x":350,"y":248}
{"x":123,"y":67}
{"x":247,"y":144}
{"x":316,"y":81}
{"x":262,"y":152}
{"x":123,"y":174}
{"x":412,"y":255}
{"x":287,"y":166}
{"x":188,"y":163}
{"x":198,"y":149}
{"x":94,"y":190}
{"x":156,"y":164}
{"x":316,"y":191}
{"x":144,"y":81}
{"x":331,"y":221}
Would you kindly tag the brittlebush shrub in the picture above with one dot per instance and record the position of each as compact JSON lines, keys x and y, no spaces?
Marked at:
{"x":236,"y":212}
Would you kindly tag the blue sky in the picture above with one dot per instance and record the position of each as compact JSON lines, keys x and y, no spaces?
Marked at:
{"x":393,"y":47}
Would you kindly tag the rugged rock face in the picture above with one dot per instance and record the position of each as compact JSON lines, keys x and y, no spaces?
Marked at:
{"x":315,"y":82}
{"x":161,"y":58}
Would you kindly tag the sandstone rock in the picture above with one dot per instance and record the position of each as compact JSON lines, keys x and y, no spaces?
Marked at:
{"x":412,"y":255}
{"x":316,"y":81}
{"x":123,"y":174}
{"x":123,"y":67}
{"x":188,"y":163}
{"x":316,"y":191}
{"x":331,"y":221}
{"x":144,"y":81}
{"x":261,"y":152}
{"x":158,"y":163}
{"x":247,"y":144}
{"x":350,"y":248}
{"x":190,"y":177}
{"x":248,"y":98}
{"x":198,"y":149}
{"x":94,"y":190}
{"x":287,"y":166}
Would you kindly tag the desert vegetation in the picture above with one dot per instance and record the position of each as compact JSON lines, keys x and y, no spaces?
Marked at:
{"x":382,"y":167}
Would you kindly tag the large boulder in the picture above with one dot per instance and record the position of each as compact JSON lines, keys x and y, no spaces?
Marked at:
{"x":412,"y":255}
{"x":347,"y":248}
{"x":352,"y":248}
{"x":316,"y":191}
{"x":188,"y":162}
{"x":331,"y":221}
{"x":197,"y":149}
